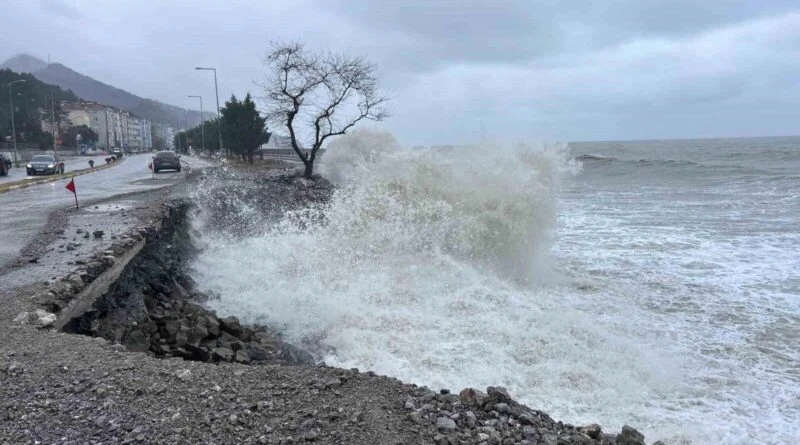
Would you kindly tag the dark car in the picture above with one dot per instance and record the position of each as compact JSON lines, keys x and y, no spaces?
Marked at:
{"x":45,"y":164}
{"x":5,"y":165}
{"x":166,"y":160}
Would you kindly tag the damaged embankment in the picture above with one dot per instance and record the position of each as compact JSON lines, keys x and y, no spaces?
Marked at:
{"x":138,"y":294}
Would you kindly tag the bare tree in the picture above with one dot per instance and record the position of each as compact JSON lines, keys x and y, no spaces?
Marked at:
{"x":319,"y":95}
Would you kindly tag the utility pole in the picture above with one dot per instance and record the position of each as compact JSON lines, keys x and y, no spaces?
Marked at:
{"x":186,"y":128}
{"x":53,"y":116}
{"x":177,"y":128}
{"x":108,"y":147}
{"x":13,"y":127}
{"x":216,"y":92}
{"x":202,"y":129}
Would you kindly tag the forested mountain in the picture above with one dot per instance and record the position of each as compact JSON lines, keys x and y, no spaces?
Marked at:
{"x":91,"y":89}
{"x":32,"y":103}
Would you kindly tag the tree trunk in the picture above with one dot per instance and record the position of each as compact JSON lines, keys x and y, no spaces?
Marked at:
{"x":309,"y":170}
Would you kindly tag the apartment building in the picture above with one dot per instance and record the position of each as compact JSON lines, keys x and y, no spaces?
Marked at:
{"x":95,"y":116}
{"x":115,"y":128}
{"x":145,"y":134}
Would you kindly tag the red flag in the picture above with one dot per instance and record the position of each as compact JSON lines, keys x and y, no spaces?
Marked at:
{"x":71,"y":187}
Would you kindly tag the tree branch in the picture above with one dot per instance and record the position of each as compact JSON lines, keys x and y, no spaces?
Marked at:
{"x":332,"y":93}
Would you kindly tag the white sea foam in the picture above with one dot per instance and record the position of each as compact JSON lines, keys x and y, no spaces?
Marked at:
{"x":436,"y":266}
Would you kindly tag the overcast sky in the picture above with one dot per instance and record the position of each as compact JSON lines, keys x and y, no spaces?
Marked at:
{"x":460,"y":70}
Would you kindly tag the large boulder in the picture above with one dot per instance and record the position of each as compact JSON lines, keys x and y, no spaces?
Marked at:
{"x":199,"y":352}
{"x":231,"y":325}
{"x":222,"y":354}
{"x":197,"y":334}
{"x":212,"y":325}
{"x":242,"y":357}
{"x":445,"y":424}
{"x":472,"y":396}
{"x":499,"y":394}
{"x":594,"y":431}
{"x":629,"y":436}
{"x":182,"y":336}
{"x":136,"y":341}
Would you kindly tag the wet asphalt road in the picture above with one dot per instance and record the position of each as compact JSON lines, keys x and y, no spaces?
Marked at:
{"x":70,"y":164}
{"x":24,"y":212}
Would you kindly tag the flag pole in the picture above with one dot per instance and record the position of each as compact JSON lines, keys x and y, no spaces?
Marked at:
{"x":71,"y":187}
{"x":76,"y":194}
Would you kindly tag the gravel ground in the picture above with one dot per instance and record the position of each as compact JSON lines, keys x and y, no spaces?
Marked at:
{"x":61,"y":388}
{"x":71,"y":389}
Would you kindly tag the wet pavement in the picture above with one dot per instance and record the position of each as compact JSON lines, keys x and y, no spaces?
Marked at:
{"x":25,"y":211}
{"x":77,"y":240}
{"x":70,"y":164}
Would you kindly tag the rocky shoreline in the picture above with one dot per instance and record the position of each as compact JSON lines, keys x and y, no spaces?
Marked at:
{"x":154,"y":306}
{"x":154,"y":366}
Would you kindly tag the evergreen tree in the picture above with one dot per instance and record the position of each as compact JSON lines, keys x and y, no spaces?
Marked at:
{"x":243,"y":127}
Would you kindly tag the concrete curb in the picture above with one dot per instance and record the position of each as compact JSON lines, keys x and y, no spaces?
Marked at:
{"x":84,"y":300}
{"x":67,"y":175}
{"x":77,"y":291}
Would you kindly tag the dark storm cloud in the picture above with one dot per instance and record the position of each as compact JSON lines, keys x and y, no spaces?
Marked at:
{"x":461,"y":70}
{"x":429,"y":34}
{"x":458,"y":31}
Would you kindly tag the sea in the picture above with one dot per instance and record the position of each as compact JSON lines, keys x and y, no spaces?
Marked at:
{"x":654,"y":284}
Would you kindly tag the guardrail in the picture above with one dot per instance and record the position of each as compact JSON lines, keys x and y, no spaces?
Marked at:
{"x":285,"y":152}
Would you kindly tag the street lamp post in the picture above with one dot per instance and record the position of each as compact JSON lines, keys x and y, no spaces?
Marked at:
{"x":177,"y":129}
{"x":186,"y":128}
{"x":53,"y":115}
{"x":202,"y":130}
{"x":216,"y":92}
{"x":13,"y":127}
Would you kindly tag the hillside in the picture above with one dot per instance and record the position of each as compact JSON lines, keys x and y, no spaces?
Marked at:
{"x":91,"y":89}
{"x":30,"y":97}
{"x":86,"y":87}
{"x":24,"y":63}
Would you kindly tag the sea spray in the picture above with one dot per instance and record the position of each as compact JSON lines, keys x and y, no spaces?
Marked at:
{"x":433,"y":265}
{"x":668,"y":300}
{"x":487,"y":206}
